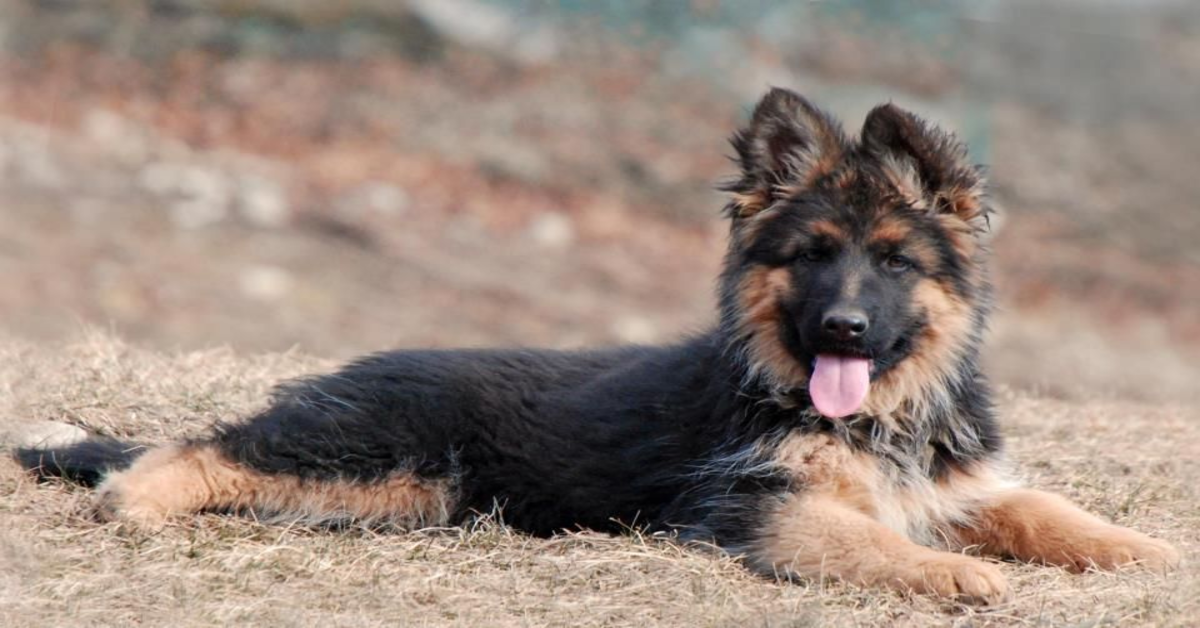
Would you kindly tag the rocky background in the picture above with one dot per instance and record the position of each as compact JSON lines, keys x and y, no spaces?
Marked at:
{"x":350,"y":176}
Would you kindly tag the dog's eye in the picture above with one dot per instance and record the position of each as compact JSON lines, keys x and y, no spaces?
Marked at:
{"x":898,"y":263}
{"x":812,"y":255}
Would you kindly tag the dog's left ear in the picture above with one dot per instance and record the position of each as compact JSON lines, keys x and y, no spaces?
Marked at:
{"x":787,"y":146}
{"x":926,"y":164}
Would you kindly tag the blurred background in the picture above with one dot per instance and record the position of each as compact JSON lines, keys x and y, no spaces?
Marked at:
{"x":346,"y":176}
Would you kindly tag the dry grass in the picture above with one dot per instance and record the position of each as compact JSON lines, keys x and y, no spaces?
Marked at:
{"x":1139,"y":465}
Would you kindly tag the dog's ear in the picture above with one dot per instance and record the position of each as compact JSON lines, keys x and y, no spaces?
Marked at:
{"x":787,"y":145}
{"x":928,"y":166}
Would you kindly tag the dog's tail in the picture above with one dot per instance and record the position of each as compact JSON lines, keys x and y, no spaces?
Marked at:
{"x":85,"y":462}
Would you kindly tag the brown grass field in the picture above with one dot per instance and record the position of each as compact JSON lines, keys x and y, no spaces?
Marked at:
{"x":1138,"y":465}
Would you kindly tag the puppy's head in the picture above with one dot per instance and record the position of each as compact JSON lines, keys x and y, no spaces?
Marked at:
{"x":854,"y":267}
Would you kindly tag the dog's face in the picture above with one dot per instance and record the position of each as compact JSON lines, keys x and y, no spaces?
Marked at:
{"x":854,"y":270}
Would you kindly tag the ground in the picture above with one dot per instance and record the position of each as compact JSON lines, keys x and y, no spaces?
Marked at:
{"x":1135,"y":464}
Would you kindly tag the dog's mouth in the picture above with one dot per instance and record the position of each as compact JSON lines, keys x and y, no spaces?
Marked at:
{"x":839,"y":383}
{"x":841,"y":374}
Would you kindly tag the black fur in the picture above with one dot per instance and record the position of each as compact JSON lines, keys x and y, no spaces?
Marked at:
{"x":665,"y":438}
{"x":85,"y":463}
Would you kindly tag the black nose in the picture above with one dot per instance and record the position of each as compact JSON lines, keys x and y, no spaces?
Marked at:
{"x":845,"y":324}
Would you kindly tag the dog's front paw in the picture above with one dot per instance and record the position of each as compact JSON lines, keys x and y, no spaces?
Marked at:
{"x":958,"y":577}
{"x":1114,"y":547}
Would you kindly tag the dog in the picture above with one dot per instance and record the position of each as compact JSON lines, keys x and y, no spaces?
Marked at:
{"x":833,"y":424}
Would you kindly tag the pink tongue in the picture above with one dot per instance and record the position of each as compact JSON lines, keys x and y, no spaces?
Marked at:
{"x":838,"y":384}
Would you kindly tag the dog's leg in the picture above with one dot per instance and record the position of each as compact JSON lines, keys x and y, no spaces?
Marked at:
{"x":1037,"y":526}
{"x":183,"y":479}
{"x":814,"y":536}
{"x":166,"y":481}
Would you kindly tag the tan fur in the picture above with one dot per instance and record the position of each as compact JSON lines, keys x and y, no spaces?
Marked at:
{"x":962,"y":206}
{"x":748,"y":231}
{"x":814,"y":536}
{"x":760,"y":293}
{"x":805,"y":165}
{"x":1041,"y":527}
{"x":924,"y":371}
{"x":863,"y":520}
{"x":854,"y":522}
{"x":844,"y":179}
{"x":827,"y":228}
{"x":830,"y":154}
{"x":901,"y":175}
{"x":923,"y":252}
{"x":940,"y":346}
{"x":748,"y":204}
{"x":964,"y":217}
{"x":964,"y":236}
{"x":791,"y":170}
{"x":912,"y":505}
{"x":177,"y":480}
{"x":964,"y":201}
{"x":890,"y":229}
{"x":895,"y":231}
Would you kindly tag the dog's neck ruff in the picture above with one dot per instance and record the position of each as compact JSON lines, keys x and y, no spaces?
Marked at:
{"x":949,"y":423}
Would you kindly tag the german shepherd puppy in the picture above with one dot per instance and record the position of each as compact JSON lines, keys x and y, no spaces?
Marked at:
{"x":834,"y":423}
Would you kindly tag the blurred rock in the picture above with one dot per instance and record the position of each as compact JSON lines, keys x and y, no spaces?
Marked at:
{"x":265,"y":283}
{"x":120,"y":136}
{"x":499,"y":157}
{"x":36,"y":164}
{"x":45,"y":435}
{"x":635,"y":329}
{"x":263,"y":202}
{"x":198,"y":196}
{"x":552,"y":230}
{"x":376,"y":197}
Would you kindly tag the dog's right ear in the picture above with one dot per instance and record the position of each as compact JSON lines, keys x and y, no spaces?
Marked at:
{"x":927,"y":164}
{"x":787,"y":146}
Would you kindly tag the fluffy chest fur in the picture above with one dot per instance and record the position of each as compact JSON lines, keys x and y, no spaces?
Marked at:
{"x":897,"y":490}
